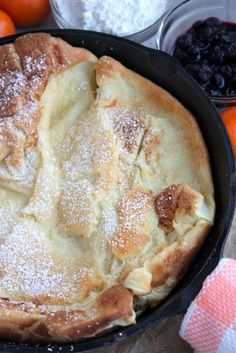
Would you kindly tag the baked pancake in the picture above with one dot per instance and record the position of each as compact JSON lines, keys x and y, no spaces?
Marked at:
{"x":106,"y":192}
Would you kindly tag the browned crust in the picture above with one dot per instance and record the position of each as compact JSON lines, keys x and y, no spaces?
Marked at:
{"x":175,"y":197}
{"x":10,"y":101}
{"x":41,"y":54}
{"x":166,"y":203}
{"x":151,"y":141}
{"x":25,"y":322}
{"x":127,"y":242}
{"x":176,"y":260}
{"x":130,"y":237}
{"x":128,"y":130}
{"x":25,"y":69}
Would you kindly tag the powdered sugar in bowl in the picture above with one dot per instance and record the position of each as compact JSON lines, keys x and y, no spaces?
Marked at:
{"x":137,"y":20}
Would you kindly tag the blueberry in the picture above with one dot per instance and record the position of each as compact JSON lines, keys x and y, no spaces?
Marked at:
{"x":213,"y":22}
{"x":223,"y":38}
{"x":205,"y":62}
{"x":194,"y":53}
{"x":217,"y":55}
{"x":208,"y":53}
{"x":215,"y":92}
{"x":215,"y":37}
{"x":226,"y":71}
{"x":203,"y":46}
{"x":233,"y":67}
{"x":204,"y":74}
{"x":216,"y":49}
{"x":230,"y":51}
{"x":218,"y":80}
{"x":232,"y":37}
{"x":203,"y":34}
{"x":198,"y":24}
{"x":185,"y":40}
{"x":223,"y":29}
{"x":231,"y":92}
{"x":215,"y":67}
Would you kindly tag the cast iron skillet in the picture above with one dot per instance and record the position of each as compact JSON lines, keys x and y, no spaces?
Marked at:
{"x":165,"y":71}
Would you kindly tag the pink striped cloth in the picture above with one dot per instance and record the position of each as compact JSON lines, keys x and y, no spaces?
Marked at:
{"x":209,"y":325}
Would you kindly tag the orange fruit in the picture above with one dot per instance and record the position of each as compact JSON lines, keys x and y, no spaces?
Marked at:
{"x":26,"y":12}
{"x":7,"y":26}
{"x":229,"y":119}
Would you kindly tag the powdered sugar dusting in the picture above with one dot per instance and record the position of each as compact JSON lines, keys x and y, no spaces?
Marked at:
{"x":46,"y":192}
{"x":9,"y":214}
{"x":19,"y":108}
{"x":12,"y":84}
{"x":9,"y":129}
{"x":23,"y":174}
{"x":79,"y":163}
{"x":110,"y":221}
{"x":36,"y":70}
{"x":28,"y":267}
{"x":27,"y":117}
{"x":133,"y":208}
{"x":89,"y":149}
{"x":25,"y":262}
{"x":127,"y":125}
{"x":76,"y":206}
{"x":129,"y":241}
{"x":35,"y":65}
{"x":130,"y":236}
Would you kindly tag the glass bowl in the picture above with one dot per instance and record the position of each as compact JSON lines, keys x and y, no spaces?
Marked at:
{"x":139,"y":37}
{"x":178,"y":20}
